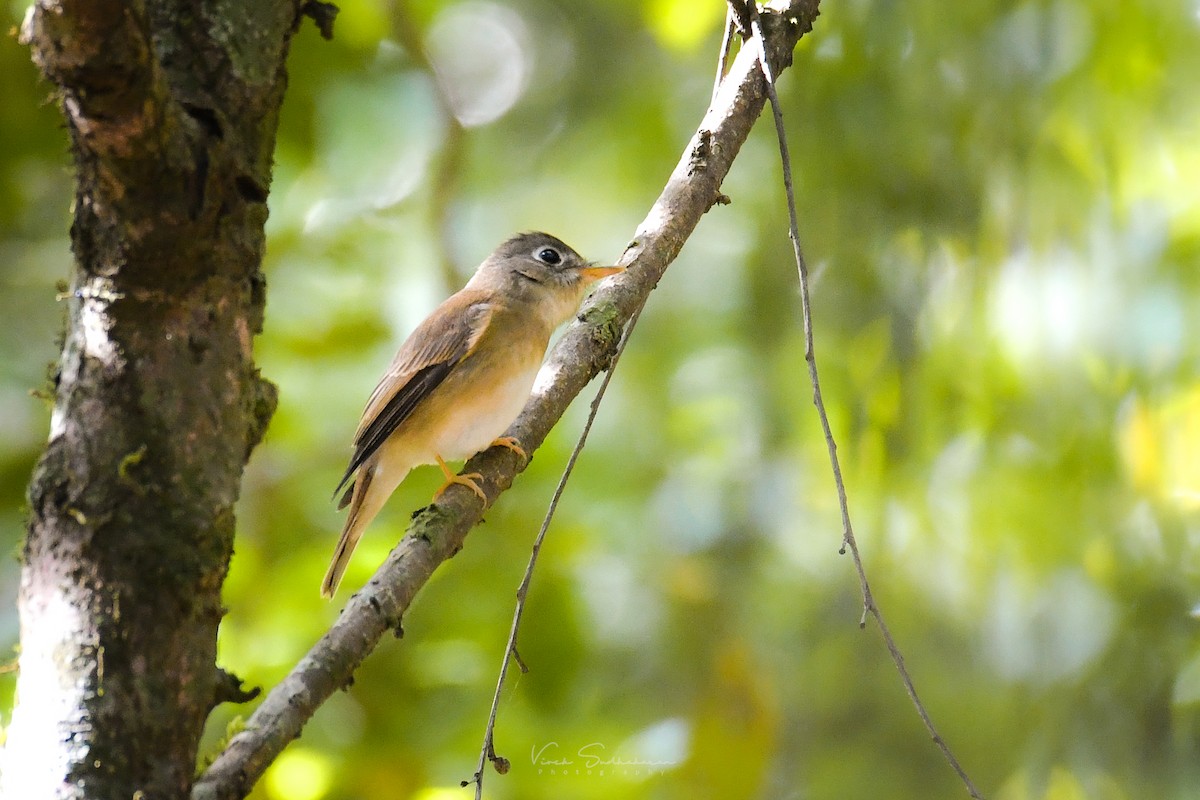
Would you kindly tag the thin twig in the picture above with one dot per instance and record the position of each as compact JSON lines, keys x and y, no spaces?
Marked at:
{"x":848,"y":540}
{"x":488,"y":752}
{"x":726,"y":47}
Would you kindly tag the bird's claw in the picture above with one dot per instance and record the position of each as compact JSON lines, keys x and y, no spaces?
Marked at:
{"x":467,"y":480}
{"x":512,"y":444}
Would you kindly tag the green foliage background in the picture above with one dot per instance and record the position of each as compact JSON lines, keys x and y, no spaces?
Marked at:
{"x":1000,"y":204}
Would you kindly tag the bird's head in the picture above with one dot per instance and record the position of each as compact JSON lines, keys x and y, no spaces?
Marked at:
{"x":541,"y":270}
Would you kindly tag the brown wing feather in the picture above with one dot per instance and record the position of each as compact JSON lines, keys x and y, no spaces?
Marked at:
{"x":438,"y":344}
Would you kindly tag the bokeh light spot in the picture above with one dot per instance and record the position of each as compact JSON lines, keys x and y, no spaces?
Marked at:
{"x":481,"y":54}
{"x":683,"y":24}
{"x":299,"y":774}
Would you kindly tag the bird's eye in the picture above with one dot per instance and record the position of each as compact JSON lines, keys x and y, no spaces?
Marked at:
{"x":548,"y":255}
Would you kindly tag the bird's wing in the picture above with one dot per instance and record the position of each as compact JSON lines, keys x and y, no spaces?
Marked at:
{"x":431,"y":353}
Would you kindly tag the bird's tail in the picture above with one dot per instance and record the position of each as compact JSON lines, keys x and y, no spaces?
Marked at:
{"x":368,"y":498}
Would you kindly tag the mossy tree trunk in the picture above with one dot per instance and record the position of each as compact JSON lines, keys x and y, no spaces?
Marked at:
{"x":171,"y":109}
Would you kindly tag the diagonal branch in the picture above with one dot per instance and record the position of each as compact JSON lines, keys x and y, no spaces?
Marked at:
{"x":438,"y":531}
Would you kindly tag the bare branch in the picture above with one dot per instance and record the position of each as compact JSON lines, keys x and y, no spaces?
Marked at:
{"x":587,"y":347}
{"x":848,"y":540}
{"x":726,"y":49}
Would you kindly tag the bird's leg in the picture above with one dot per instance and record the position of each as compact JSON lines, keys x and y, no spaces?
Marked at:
{"x":512,"y":444}
{"x":467,"y":480}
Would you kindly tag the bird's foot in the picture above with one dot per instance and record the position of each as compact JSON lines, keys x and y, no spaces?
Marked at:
{"x":467,"y":480}
{"x":512,"y":444}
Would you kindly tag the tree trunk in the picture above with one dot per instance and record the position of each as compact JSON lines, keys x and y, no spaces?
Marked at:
{"x":171,"y":108}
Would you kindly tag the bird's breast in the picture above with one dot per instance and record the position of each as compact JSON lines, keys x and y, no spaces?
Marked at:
{"x":480,"y":418}
{"x":478,"y":401}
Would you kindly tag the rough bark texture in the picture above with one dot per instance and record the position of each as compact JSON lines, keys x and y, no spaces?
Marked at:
{"x":586,"y":349}
{"x":171,"y":108}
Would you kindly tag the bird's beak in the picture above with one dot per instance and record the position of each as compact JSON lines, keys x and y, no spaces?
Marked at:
{"x":596,"y":273}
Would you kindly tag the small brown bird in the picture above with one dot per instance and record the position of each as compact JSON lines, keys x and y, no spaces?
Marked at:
{"x":462,"y":377}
